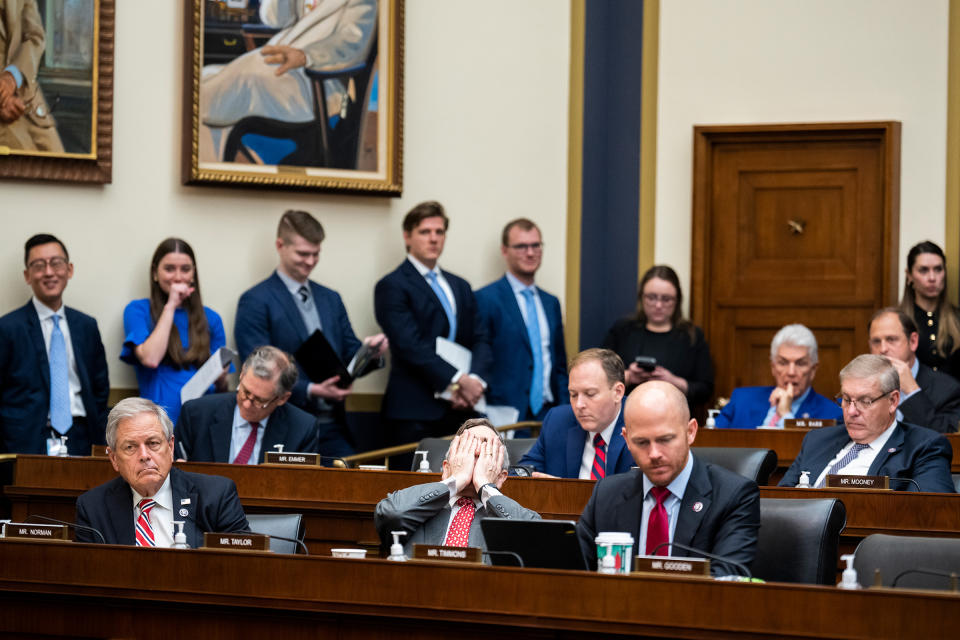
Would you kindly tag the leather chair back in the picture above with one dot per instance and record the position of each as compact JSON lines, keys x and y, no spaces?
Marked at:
{"x":287,"y":525}
{"x":756,"y":464}
{"x":799,"y":540}
{"x":436,"y":449}
{"x":894,"y":555}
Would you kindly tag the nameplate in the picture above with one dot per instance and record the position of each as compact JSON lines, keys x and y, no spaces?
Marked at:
{"x":312,"y":459}
{"x":447,"y":554}
{"x":858,"y":482}
{"x":808,"y":423}
{"x":35,"y":531}
{"x":237,"y":541}
{"x":98,"y":451}
{"x":672,"y":566}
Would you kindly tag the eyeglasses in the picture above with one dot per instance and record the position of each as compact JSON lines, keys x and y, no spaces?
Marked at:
{"x":654,"y":298}
{"x":246,"y":396}
{"x":802,"y":364}
{"x":40,"y":265}
{"x":536,"y":247}
{"x":861,"y":404}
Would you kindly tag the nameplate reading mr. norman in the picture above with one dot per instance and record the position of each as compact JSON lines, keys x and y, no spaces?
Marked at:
{"x":237,"y":541}
{"x":35,"y":531}
{"x":272,"y":457}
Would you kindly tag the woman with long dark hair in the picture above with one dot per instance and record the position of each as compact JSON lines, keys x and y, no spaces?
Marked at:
{"x":170,"y":334}
{"x":658,"y":330}
{"x":925,"y":300}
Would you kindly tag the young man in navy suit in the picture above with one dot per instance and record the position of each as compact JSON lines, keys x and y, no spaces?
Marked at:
{"x":53,"y":371}
{"x":286,"y":308}
{"x":584,"y":439}
{"x":525,"y":328}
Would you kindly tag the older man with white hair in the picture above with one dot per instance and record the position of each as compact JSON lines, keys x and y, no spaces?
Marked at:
{"x":793,"y":363}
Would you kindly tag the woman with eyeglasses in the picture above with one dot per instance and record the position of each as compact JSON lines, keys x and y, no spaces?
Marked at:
{"x":679,"y":351}
{"x":925,"y":300}
{"x":170,"y":334}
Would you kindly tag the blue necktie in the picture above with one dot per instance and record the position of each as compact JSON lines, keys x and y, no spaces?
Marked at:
{"x":533,"y":332}
{"x":60,"y":417}
{"x":844,"y":461}
{"x":445,"y":303}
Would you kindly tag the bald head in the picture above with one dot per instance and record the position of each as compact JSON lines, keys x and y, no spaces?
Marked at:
{"x":658,"y":430}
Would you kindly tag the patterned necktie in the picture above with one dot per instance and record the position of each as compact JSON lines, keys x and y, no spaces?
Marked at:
{"x":844,"y":461}
{"x":243,"y":456}
{"x":774,"y":419}
{"x":459,"y":533}
{"x":533,"y":332}
{"x":445,"y":303}
{"x":61,"y":418}
{"x":144,"y":530}
{"x":658,"y":527}
{"x":599,"y":469}
{"x":304,"y":294}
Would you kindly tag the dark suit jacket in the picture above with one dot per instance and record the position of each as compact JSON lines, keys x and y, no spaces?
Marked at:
{"x":911,"y":452}
{"x":726,"y":524}
{"x":214,"y":506}
{"x":559,"y":448}
{"x":205,"y":428}
{"x":25,"y":382}
{"x":512,"y":372}
{"x":937,"y":405}
{"x":411,"y":315}
{"x":267,"y":314}
{"x":748,"y":407}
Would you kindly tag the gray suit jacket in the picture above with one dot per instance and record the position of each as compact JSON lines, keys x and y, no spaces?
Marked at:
{"x":423,"y":511}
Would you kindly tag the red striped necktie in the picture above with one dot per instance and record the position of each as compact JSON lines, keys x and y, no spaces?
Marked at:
{"x":144,"y":530}
{"x":599,"y":469}
{"x":243,"y":457}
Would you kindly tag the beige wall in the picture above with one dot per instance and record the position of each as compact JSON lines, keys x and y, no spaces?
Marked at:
{"x":485,"y":130}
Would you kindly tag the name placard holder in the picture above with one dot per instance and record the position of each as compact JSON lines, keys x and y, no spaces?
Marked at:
{"x":447,"y":554}
{"x":56,"y":532}
{"x":808,"y":423}
{"x":858,"y":482}
{"x":689,"y":567}
{"x":311,"y":459}
{"x":237,"y":541}
{"x":98,"y":451}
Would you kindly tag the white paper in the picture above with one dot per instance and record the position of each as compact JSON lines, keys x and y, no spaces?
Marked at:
{"x":500,"y":415}
{"x":207,"y":374}
{"x":460,"y":358}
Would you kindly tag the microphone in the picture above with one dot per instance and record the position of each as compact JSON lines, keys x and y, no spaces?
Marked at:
{"x":297,"y":540}
{"x":722,"y":559}
{"x":930,"y":572}
{"x":908,"y":480}
{"x":337,"y":461}
{"x":515,"y":556}
{"x":69,"y":524}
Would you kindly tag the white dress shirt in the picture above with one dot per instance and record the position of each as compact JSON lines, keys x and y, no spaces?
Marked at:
{"x":45,"y":315}
{"x":444,"y":285}
{"x":485,"y":494}
{"x":589,"y":451}
{"x":161,"y":516}
{"x":240,"y":433}
{"x":860,"y":465}
{"x":518,"y":289}
{"x":671,"y":505}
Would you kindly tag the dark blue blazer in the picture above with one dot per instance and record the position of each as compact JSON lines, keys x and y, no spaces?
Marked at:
{"x":205,"y":429}
{"x":559,"y":449}
{"x":25,"y":382}
{"x":410,"y":313}
{"x":267,"y":314}
{"x":726,"y":523}
{"x":748,"y":407}
{"x":510,"y":379}
{"x":214,"y":507}
{"x":911,"y":452}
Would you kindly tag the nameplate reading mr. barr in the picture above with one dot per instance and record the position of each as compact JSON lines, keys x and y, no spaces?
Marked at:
{"x":447,"y":554}
{"x":272,"y":457}
{"x":35,"y":531}
{"x":237,"y":541}
{"x":674,"y":566}
{"x":808,"y":423}
{"x":858,"y":482}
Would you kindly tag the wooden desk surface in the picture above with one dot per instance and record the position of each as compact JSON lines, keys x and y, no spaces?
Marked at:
{"x":111,"y":591}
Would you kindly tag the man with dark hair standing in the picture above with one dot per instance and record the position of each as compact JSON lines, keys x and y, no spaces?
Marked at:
{"x":53,"y":371}
{"x":286,"y":308}
{"x":525,"y":327}
{"x":416,"y":304}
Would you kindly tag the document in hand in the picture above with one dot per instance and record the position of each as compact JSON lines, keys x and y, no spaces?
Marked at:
{"x":320,"y":361}
{"x":460,"y":358}
{"x":208,"y":373}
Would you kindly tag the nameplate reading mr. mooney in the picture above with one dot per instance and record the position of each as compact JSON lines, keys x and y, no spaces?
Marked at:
{"x":447,"y":554}
{"x":237,"y":541}
{"x":675,"y":566}
{"x":272,"y":457}
{"x":808,"y":423}
{"x":858,"y":482}
{"x":35,"y":531}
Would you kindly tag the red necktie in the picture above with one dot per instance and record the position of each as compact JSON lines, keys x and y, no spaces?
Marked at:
{"x":144,"y":530}
{"x":599,"y":459}
{"x":459,"y":533}
{"x":658,"y":528}
{"x":774,"y":420}
{"x":244,"y":456}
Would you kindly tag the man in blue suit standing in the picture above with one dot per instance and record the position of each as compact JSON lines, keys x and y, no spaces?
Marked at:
{"x":793,"y":363}
{"x":416,"y":304}
{"x":286,"y":308}
{"x":53,"y":371}
{"x":525,"y":328}
{"x":584,"y":439}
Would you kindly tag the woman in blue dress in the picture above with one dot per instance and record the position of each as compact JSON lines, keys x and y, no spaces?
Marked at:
{"x":170,"y":334}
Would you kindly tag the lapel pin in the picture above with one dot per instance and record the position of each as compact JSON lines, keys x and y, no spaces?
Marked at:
{"x":697,"y":507}
{"x":184,"y":501}
{"x":892,"y":450}
{"x":184,"y":513}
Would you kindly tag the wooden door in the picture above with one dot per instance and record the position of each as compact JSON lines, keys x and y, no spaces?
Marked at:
{"x":792,"y":223}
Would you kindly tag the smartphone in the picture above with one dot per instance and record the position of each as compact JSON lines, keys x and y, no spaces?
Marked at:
{"x":646,"y":363}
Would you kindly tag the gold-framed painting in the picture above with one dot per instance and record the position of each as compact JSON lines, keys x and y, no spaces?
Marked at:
{"x":294,"y":94}
{"x":56,"y":89}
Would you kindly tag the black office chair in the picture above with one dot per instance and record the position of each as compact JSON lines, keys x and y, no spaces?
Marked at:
{"x":518,"y":447}
{"x":756,"y":464}
{"x":287,"y":525}
{"x":436,"y":449}
{"x":895,"y":555}
{"x":799,"y":540}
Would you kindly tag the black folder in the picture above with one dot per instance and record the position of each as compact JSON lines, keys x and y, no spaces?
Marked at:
{"x":320,"y":361}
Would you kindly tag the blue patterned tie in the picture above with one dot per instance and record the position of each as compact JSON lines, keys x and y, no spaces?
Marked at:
{"x":444,"y":302}
{"x":60,"y":417}
{"x":844,"y":461}
{"x":533,"y":332}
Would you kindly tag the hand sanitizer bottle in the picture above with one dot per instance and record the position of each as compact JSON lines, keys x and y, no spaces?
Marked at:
{"x":804,"y":480}
{"x":396,"y":549}
{"x":711,"y":418}
{"x":848,"y":579}
{"x":424,"y":463}
{"x":63,"y":453}
{"x":179,"y":537}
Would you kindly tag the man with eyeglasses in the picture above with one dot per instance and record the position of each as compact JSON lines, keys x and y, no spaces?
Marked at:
{"x":525,"y":326}
{"x":53,"y":371}
{"x":793,"y":363}
{"x":240,"y":428}
{"x":872,"y":441}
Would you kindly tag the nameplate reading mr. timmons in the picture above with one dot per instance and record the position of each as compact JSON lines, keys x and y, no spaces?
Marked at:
{"x":238,"y":541}
{"x":272,"y":457}
{"x":808,"y":423}
{"x":447,"y":554}
{"x":35,"y":531}
{"x":858,"y":482}
{"x":674,"y":566}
